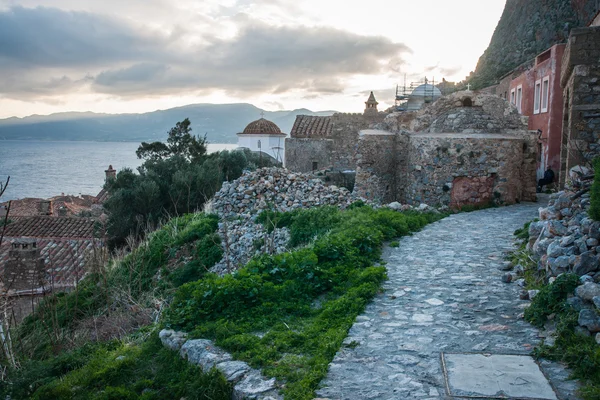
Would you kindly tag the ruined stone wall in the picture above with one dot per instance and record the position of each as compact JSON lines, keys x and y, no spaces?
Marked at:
{"x":580,"y":81}
{"x":301,"y":154}
{"x":345,"y":133}
{"x":379,"y":158}
{"x":458,"y":169}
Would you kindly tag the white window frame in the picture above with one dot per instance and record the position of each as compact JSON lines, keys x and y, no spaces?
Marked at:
{"x":545,"y":98}
{"x":519,"y":97}
{"x":537,"y":96}
{"x":512,"y":97}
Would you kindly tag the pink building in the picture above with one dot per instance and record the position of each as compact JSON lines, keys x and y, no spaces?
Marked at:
{"x":536,"y":93}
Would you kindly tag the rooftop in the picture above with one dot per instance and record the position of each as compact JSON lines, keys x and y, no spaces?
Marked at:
{"x":50,"y":227}
{"x":308,"y":126}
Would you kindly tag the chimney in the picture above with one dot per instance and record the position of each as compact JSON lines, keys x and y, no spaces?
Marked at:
{"x":110,"y":173}
{"x":24,"y":268}
{"x":45,"y":207}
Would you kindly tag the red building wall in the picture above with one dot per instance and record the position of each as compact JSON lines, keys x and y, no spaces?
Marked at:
{"x":547,"y":64}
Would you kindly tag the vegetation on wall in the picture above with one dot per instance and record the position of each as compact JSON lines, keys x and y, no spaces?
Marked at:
{"x":581,"y":353}
{"x":594,"y":211}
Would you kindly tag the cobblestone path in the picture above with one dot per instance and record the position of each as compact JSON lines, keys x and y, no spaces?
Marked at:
{"x":444,"y":294}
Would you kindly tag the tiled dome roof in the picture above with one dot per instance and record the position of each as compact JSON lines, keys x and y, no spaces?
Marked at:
{"x":262,"y":127}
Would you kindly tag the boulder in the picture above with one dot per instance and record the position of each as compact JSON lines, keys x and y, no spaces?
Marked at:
{"x":557,"y":228}
{"x":549,"y":213}
{"x":588,"y":262}
{"x":559,"y":265}
{"x":535,"y":228}
{"x":254,"y":386}
{"x":395,"y":206}
{"x":588,"y":290}
{"x":589,"y":319}
{"x":577,"y":303}
{"x":172,"y":339}
{"x":555,"y":249}
{"x":204,"y":353}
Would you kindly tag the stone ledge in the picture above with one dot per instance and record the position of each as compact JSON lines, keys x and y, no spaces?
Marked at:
{"x":248,"y":383}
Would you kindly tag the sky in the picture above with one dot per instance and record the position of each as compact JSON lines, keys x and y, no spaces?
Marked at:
{"x":116,"y":56}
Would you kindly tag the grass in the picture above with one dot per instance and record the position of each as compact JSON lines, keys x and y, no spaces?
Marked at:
{"x":288,"y":314}
{"x":580,"y":353}
{"x":116,"y":370}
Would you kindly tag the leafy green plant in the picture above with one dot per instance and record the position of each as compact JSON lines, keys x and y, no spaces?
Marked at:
{"x":551,"y":299}
{"x":594,"y":211}
{"x":395,"y":244}
{"x":302,"y":302}
{"x":116,"y":370}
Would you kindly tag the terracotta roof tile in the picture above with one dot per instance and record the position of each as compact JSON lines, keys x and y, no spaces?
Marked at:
{"x":65,"y":259}
{"x":308,"y":126}
{"x":262,"y":127}
{"x":50,"y":227}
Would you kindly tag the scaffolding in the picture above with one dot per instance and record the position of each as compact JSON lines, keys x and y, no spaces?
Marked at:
{"x":405,"y":92}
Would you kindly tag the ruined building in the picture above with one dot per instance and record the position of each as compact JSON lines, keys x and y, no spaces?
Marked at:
{"x":317,"y":142}
{"x":580,"y":81}
{"x":465,"y":148}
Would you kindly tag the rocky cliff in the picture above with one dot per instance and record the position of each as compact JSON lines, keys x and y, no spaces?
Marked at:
{"x":526,"y":28}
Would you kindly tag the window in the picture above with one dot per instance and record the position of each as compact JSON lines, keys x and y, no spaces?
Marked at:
{"x":512,"y":97}
{"x":537,"y":97}
{"x":315,"y":166}
{"x":519,"y":97}
{"x":545,"y":93}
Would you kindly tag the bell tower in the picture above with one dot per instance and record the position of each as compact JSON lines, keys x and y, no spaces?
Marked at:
{"x":371,"y":106}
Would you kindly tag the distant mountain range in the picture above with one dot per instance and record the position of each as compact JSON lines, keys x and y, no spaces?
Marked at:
{"x":219,"y":122}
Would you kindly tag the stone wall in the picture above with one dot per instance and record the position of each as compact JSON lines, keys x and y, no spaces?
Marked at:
{"x":336,"y":151}
{"x":378,"y":156}
{"x":580,"y":80}
{"x":485,"y":167}
{"x":302,"y":154}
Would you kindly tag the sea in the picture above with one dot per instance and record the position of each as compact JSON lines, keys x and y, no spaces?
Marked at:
{"x":45,"y":169}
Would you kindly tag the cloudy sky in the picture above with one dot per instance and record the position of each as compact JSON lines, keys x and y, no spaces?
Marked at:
{"x":141,"y":55}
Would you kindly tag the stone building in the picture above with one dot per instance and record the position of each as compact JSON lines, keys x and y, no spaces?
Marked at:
{"x":263,"y":136}
{"x":43,"y":254}
{"x":318,"y":143}
{"x":463,"y":149}
{"x":580,"y":81}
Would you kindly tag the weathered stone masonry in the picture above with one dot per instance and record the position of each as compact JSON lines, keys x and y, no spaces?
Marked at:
{"x":451,"y":154}
{"x":580,"y":80}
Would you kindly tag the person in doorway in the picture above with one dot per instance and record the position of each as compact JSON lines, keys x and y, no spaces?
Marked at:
{"x":546,"y":180}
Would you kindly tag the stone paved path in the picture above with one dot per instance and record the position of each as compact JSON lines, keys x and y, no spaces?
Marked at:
{"x":444,"y":294}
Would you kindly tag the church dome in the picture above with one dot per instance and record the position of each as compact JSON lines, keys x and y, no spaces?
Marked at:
{"x":427,"y":90}
{"x":262,"y":127}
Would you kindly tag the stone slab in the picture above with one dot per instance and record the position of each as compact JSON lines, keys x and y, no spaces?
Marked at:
{"x":495,"y":376}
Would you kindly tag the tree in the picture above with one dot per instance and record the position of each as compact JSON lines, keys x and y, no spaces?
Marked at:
{"x":180,"y":142}
{"x":176,"y":178}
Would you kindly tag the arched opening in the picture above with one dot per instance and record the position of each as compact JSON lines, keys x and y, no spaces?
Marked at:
{"x":467,"y":102}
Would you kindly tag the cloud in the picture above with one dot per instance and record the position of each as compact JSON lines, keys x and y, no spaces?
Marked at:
{"x":50,"y":51}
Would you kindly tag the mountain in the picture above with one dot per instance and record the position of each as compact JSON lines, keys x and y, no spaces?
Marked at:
{"x":219,"y":122}
{"x":527,"y":28}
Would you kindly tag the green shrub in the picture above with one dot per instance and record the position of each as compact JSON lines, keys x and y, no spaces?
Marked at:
{"x":303,"y":301}
{"x":117,"y":371}
{"x":594,"y":210}
{"x":551,"y":299}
